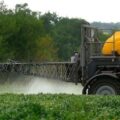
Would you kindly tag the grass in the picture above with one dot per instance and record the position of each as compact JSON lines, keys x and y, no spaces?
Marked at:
{"x":59,"y":107}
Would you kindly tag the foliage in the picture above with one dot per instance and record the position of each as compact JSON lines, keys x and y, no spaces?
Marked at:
{"x":102,"y":36}
{"x":59,"y":107}
{"x":2,"y":7}
{"x":19,"y":32}
{"x":66,"y":34}
{"x":28,"y":35}
{"x":45,"y":44}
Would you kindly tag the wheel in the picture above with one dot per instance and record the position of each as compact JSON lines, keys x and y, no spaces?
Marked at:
{"x":105,"y":86}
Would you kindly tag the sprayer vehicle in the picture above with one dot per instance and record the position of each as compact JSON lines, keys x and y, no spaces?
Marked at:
{"x":96,"y":66}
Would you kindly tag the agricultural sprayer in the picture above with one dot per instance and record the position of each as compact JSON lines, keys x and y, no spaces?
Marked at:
{"x":96,"y":65}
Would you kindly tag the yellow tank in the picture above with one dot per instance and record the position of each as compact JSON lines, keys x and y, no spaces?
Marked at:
{"x":112,"y":44}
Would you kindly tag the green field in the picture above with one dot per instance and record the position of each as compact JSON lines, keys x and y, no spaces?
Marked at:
{"x":59,"y":107}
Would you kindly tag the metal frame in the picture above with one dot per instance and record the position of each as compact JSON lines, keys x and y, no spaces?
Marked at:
{"x":90,"y":62}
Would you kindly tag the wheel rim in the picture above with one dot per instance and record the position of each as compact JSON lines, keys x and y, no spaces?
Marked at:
{"x":105,"y":90}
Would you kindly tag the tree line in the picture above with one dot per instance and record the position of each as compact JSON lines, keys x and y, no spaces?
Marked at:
{"x":103,"y":25}
{"x":28,"y":35}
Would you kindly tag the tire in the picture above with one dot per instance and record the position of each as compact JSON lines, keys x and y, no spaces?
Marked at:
{"x":105,"y":86}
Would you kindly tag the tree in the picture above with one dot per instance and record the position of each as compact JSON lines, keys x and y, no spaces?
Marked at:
{"x":18,"y":33}
{"x":49,"y":21}
{"x":67,"y":37}
{"x":2,"y":7}
{"x":46,"y":50}
{"x":28,"y":35}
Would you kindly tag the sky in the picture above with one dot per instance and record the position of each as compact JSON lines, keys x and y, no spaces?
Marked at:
{"x":90,"y":10}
